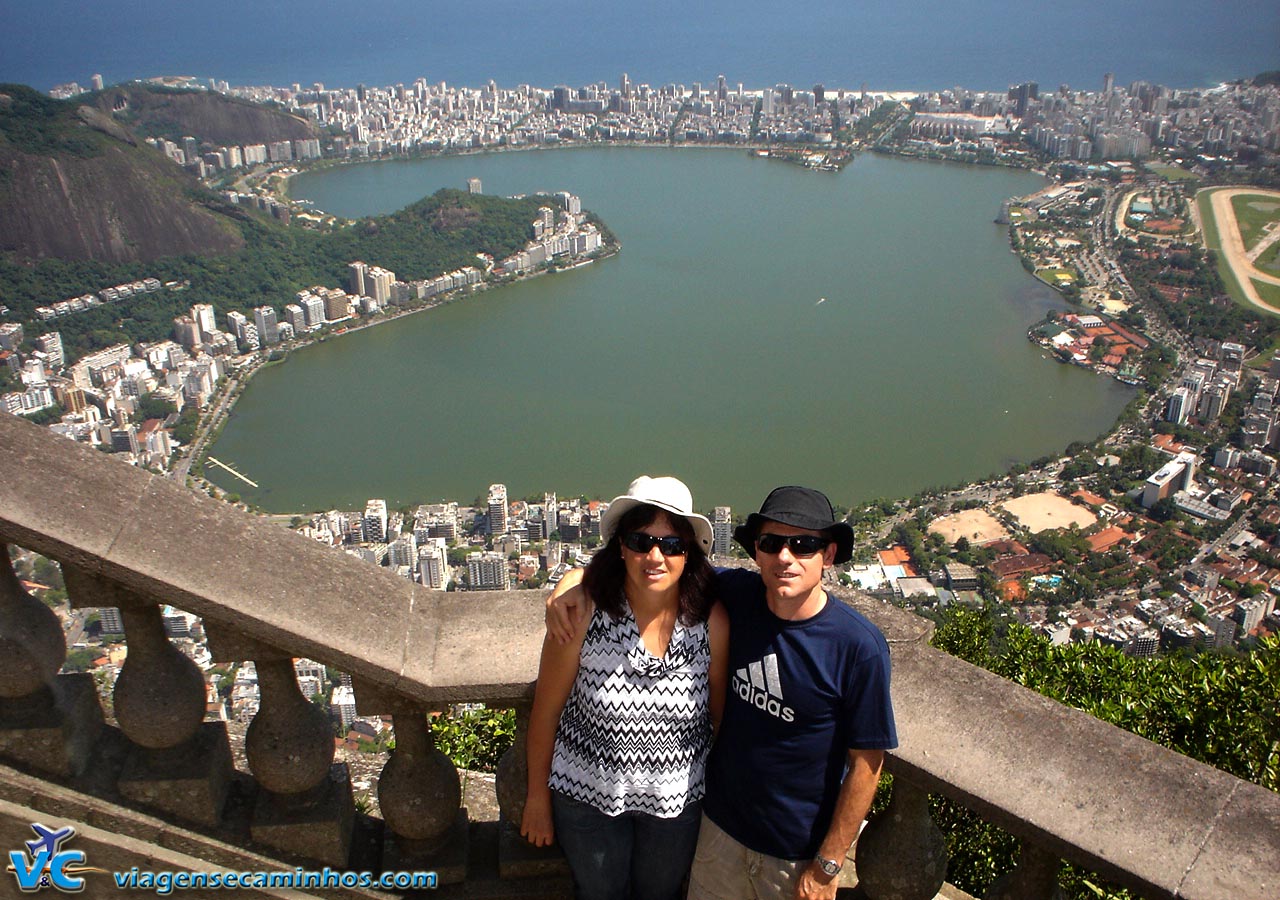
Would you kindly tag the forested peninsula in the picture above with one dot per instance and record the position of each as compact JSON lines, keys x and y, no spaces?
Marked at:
{"x":437,"y":234}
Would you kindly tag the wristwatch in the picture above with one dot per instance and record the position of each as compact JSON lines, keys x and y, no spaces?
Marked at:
{"x":829,"y":866}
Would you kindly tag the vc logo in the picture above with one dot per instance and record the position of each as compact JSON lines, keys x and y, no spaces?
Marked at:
{"x":46,"y":864}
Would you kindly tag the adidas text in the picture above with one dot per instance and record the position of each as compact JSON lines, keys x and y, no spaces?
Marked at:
{"x":761,"y":700}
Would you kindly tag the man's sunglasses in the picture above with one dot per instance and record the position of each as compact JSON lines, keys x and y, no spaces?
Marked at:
{"x":640,"y":542}
{"x":800,"y":544}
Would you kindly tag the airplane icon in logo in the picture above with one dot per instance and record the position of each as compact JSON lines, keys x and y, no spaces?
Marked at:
{"x":50,"y":839}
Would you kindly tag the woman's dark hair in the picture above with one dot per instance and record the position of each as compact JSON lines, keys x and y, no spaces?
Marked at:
{"x":606,"y":574}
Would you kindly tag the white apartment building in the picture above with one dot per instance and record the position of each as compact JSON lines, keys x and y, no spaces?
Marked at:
{"x":488,"y":572}
{"x":433,"y":565}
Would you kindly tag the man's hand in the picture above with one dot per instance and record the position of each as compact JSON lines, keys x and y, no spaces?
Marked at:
{"x":815,"y":884}
{"x":565,"y":607}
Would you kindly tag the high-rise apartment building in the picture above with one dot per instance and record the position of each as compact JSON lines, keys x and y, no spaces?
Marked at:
{"x":186,"y":332}
{"x":11,"y":335}
{"x":1179,"y":406}
{"x":571,"y":203}
{"x":296,"y":317}
{"x":51,"y":346}
{"x":433,"y":565}
{"x":342,"y":706}
{"x":355,"y":278}
{"x":550,"y":514}
{"x":1212,"y":402}
{"x":236,"y":324}
{"x":498,"y":509}
{"x":1232,"y":356}
{"x":403,"y":551}
{"x":110,"y":620}
{"x":264,"y":319}
{"x":312,"y":309}
{"x":488,"y":572}
{"x":721,"y":531}
{"x":337,"y":305}
{"x":375,"y":521}
{"x":377,"y":284}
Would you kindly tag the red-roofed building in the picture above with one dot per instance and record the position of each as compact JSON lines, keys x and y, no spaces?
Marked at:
{"x":1107,"y":538}
{"x":1019,"y":566}
{"x":896,"y":555}
{"x":1088,"y":498}
{"x":1136,"y":339}
{"x":1007,"y":548}
{"x":1167,"y":443}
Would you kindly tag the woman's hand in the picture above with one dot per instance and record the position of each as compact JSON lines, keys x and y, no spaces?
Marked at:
{"x":536,"y":826}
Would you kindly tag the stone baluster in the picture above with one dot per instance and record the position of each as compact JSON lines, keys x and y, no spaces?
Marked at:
{"x":47,"y":721}
{"x":1034,"y":878}
{"x":32,"y":648}
{"x":419,"y":791}
{"x":511,"y":781}
{"x":178,"y":763}
{"x":901,"y":854}
{"x":289,"y":744}
{"x":304,"y":806}
{"x":159,"y":696}
{"x":516,"y":858}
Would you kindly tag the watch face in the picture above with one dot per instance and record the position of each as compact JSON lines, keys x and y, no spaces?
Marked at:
{"x":828,"y":866}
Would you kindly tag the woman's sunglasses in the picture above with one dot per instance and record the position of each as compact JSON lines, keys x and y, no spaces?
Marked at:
{"x":640,"y":542}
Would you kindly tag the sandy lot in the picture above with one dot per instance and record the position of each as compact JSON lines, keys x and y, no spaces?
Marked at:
{"x":978,"y":525}
{"x":1233,"y":246}
{"x":1040,"y":512}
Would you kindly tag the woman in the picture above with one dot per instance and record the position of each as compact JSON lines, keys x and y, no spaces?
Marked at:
{"x":623,"y":715}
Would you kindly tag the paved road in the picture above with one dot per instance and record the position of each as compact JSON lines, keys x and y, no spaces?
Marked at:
{"x":208,"y":423}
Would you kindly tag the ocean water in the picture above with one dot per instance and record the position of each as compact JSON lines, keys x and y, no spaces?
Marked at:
{"x":885,"y":44}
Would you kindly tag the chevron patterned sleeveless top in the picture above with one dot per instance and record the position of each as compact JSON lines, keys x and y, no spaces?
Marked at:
{"x":636,"y":729}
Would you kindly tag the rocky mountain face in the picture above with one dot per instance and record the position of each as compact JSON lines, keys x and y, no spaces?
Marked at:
{"x":212,"y":119}
{"x":75,"y":183}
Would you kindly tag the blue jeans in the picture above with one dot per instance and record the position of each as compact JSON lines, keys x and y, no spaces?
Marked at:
{"x":633,"y":855}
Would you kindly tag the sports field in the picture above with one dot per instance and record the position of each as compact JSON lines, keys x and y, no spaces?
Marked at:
{"x":1040,"y":512}
{"x":977,"y":525}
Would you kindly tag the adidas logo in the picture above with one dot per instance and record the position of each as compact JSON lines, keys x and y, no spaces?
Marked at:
{"x":758,"y":685}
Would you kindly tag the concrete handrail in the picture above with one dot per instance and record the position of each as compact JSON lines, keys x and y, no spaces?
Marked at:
{"x":1096,"y":795}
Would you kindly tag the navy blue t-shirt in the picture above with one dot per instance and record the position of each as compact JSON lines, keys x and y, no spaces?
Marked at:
{"x":801,"y":695}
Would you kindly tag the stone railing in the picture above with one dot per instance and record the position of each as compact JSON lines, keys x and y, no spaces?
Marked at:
{"x":1070,"y":786}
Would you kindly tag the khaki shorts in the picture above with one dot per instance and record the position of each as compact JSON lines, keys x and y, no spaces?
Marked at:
{"x":723,"y":869}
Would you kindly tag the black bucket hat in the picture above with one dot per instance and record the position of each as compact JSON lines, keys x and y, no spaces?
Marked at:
{"x":799,"y":507}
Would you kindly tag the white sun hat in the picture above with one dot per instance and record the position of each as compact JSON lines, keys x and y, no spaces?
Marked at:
{"x":665,"y":492}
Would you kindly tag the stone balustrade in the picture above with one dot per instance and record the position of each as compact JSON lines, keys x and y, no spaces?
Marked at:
{"x":1069,"y":786}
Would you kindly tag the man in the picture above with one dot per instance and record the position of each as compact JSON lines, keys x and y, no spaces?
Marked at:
{"x":807,"y":719}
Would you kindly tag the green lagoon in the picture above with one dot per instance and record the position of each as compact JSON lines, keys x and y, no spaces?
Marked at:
{"x":862,"y":332}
